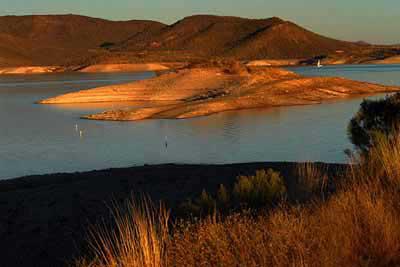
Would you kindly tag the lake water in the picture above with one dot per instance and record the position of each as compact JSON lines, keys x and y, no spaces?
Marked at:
{"x":39,"y":139}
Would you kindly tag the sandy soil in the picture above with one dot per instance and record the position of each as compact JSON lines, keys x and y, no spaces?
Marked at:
{"x":124,"y":67}
{"x":205,"y":91}
{"x":389,"y":60}
{"x":29,"y":70}
{"x":45,"y":219}
{"x":272,"y":62}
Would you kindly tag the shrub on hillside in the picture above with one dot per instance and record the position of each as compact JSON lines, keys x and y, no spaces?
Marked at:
{"x":374,"y":119}
{"x":254,"y":192}
{"x":259,"y":190}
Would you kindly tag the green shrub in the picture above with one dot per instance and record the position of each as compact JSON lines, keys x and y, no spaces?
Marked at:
{"x":206,"y":202}
{"x":376,"y":118}
{"x":259,"y":190}
{"x":253,"y":192}
{"x":223,"y":197}
{"x":203,"y":205}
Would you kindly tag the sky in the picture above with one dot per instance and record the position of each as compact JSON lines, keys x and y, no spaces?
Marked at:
{"x":375,"y":21}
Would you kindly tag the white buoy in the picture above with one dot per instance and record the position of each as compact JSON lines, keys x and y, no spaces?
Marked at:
{"x":81,"y":133}
{"x":76,"y":127}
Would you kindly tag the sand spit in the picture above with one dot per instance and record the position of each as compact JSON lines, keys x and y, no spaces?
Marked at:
{"x":389,"y":60}
{"x":29,"y":70}
{"x":273,"y":62}
{"x":205,"y":91}
{"x":124,"y":67}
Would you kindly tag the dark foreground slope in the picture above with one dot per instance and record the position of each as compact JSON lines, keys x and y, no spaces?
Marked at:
{"x":44,"y":219}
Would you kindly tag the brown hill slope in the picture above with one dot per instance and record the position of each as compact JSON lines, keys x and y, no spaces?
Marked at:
{"x":287,"y":40}
{"x":77,"y":40}
{"x":13,"y":51}
{"x":242,"y":38}
{"x":56,"y":39}
{"x":201,"y":34}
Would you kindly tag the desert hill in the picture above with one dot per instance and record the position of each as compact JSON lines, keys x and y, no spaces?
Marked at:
{"x":57,"y":39}
{"x":236,"y":37}
{"x":72,"y":39}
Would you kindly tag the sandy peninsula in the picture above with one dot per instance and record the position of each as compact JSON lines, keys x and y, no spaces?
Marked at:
{"x":389,"y":60}
{"x":138,"y":67}
{"x":273,"y":62}
{"x":202,"y":91}
{"x":30,"y":70}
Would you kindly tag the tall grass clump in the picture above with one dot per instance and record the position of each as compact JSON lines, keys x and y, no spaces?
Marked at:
{"x":384,"y":159}
{"x":138,"y":239}
{"x":311,"y":179}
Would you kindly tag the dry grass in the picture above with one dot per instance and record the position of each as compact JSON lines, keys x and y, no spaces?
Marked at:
{"x":357,"y":226}
{"x":139,"y":238}
{"x":311,"y":178}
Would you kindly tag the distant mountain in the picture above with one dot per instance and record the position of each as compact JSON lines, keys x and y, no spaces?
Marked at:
{"x":362,"y":43}
{"x":55,"y":39}
{"x":242,"y":38}
{"x":60,"y":39}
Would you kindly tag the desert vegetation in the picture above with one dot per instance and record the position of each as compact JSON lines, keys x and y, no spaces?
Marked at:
{"x":253,"y":192}
{"x":349,"y":220}
{"x":358,"y":225}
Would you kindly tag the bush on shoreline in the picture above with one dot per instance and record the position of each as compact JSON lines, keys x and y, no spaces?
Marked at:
{"x":262,"y":190}
{"x":375,"y":119}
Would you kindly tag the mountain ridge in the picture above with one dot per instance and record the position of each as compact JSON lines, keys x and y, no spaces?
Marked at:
{"x":74,"y":39}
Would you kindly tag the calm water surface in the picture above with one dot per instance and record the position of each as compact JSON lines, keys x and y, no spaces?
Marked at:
{"x":38,"y":139}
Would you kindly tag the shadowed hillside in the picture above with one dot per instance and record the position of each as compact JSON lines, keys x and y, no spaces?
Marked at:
{"x":80,"y":41}
{"x":57,"y":39}
{"x":207,"y":35}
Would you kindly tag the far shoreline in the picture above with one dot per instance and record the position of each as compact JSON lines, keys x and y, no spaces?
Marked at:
{"x":162,"y":66}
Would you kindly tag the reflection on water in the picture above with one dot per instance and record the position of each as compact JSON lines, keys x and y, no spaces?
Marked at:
{"x":102,"y":106}
{"x":37,"y":139}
